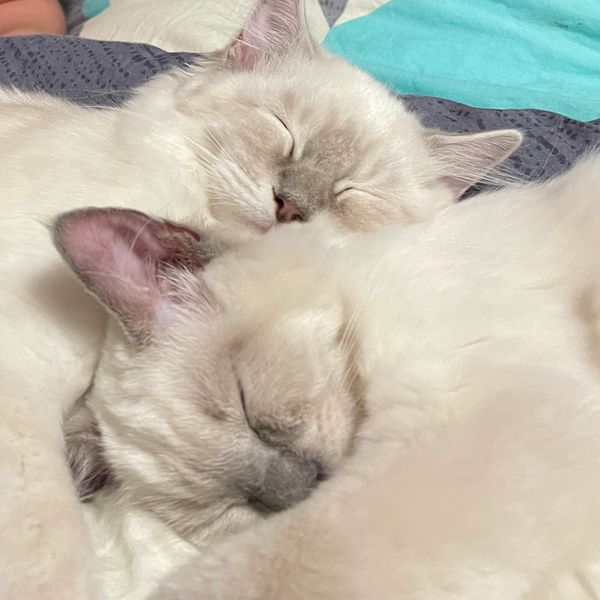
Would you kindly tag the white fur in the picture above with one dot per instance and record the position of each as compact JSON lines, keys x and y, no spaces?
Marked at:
{"x":133,"y":551}
{"x":185,"y":25}
{"x":57,"y":156}
{"x":199,"y":145}
{"x":476,"y":473}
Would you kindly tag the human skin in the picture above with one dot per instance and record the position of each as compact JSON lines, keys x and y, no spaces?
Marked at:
{"x":30,"y":17}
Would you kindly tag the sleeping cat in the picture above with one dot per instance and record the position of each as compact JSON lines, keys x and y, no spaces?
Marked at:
{"x":271,"y":129}
{"x":470,"y":344}
{"x":206,"y":448}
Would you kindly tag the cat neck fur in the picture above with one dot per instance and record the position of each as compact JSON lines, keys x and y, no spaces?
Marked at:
{"x":475,"y":468}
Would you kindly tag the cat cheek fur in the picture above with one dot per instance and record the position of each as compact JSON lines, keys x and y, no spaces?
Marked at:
{"x":244,"y":171}
{"x":400,"y":172}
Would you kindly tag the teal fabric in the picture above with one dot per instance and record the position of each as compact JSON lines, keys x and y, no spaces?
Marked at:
{"x":487,"y":53}
{"x":91,"y":8}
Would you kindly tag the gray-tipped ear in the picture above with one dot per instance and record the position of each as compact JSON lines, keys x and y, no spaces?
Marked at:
{"x":273,"y":29}
{"x":83,"y":443}
{"x":466,"y":159}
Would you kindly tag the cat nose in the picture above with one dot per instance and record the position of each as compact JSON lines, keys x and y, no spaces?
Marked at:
{"x":287,"y":211}
{"x":287,"y":482}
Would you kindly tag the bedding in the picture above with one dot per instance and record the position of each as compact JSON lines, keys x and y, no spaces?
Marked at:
{"x":333,"y":10}
{"x":103,"y":74}
{"x":542,"y":54}
{"x":183,"y":25}
{"x":492,"y":54}
{"x":196,"y":26}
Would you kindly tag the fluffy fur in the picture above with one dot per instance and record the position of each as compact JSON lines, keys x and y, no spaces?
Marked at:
{"x":270,"y":121}
{"x":473,"y":344}
{"x":205,"y":445}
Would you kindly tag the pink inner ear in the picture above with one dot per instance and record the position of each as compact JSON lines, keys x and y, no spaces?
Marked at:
{"x":271,"y":29}
{"x":250,"y":43}
{"x":122,"y":256}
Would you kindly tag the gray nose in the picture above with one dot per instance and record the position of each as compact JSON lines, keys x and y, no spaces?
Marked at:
{"x":287,"y":481}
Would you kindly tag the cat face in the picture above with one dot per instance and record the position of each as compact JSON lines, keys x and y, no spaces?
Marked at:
{"x":286,"y":130}
{"x":205,"y":411}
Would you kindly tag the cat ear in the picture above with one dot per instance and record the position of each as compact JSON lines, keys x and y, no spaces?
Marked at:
{"x":128,"y":259}
{"x":273,"y":29}
{"x":467,"y":158}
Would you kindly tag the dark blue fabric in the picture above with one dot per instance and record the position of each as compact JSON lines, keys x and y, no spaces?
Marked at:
{"x":104,"y":73}
{"x":552,"y":142}
{"x":84,"y":71}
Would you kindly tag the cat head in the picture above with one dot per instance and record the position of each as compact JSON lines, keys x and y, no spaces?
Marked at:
{"x":285,"y":130}
{"x":204,"y":408}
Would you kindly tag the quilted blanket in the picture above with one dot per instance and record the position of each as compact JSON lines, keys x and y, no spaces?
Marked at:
{"x":104,"y":73}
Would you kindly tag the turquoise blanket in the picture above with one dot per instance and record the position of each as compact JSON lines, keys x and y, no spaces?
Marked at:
{"x":91,"y":8}
{"x":541,"y":54}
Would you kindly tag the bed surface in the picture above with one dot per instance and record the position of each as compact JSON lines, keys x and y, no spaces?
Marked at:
{"x":102,"y":74}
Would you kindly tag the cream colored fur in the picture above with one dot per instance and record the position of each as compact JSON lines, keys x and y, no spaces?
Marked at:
{"x":208,"y":145}
{"x":183,"y":440}
{"x":476,"y":473}
{"x":187,"y":25}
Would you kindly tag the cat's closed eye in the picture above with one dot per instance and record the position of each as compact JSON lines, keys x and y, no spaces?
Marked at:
{"x":267,"y":434}
{"x":243,"y":401}
{"x":344,"y":191}
{"x":343,"y":187}
{"x":291,"y":144}
{"x":259,"y":431}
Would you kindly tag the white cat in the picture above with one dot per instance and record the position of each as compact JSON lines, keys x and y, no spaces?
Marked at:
{"x":171,"y":424}
{"x":471,"y":344}
{"x":272,"y":128}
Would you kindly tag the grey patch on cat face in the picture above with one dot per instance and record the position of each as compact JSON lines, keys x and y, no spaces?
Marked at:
{"x":309,"y":181}
{"x":287,"y":480}
{"x":332,"y":9}
{"x":83,"y":443}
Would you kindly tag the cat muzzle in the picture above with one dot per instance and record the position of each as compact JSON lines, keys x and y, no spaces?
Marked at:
{"x":287,"y":481}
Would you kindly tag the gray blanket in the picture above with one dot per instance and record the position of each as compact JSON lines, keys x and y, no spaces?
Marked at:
{"x":102,"y":74}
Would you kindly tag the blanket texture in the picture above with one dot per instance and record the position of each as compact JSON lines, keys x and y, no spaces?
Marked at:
{"x":103,"y":74}
{"x":486,"y":53}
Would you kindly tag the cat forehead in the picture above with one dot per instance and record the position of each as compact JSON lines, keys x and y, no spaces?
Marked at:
{"x":307,"y":88}
{"x":332,"y":87}
{"x":341,"y":134}
{"x":273,"y":275}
